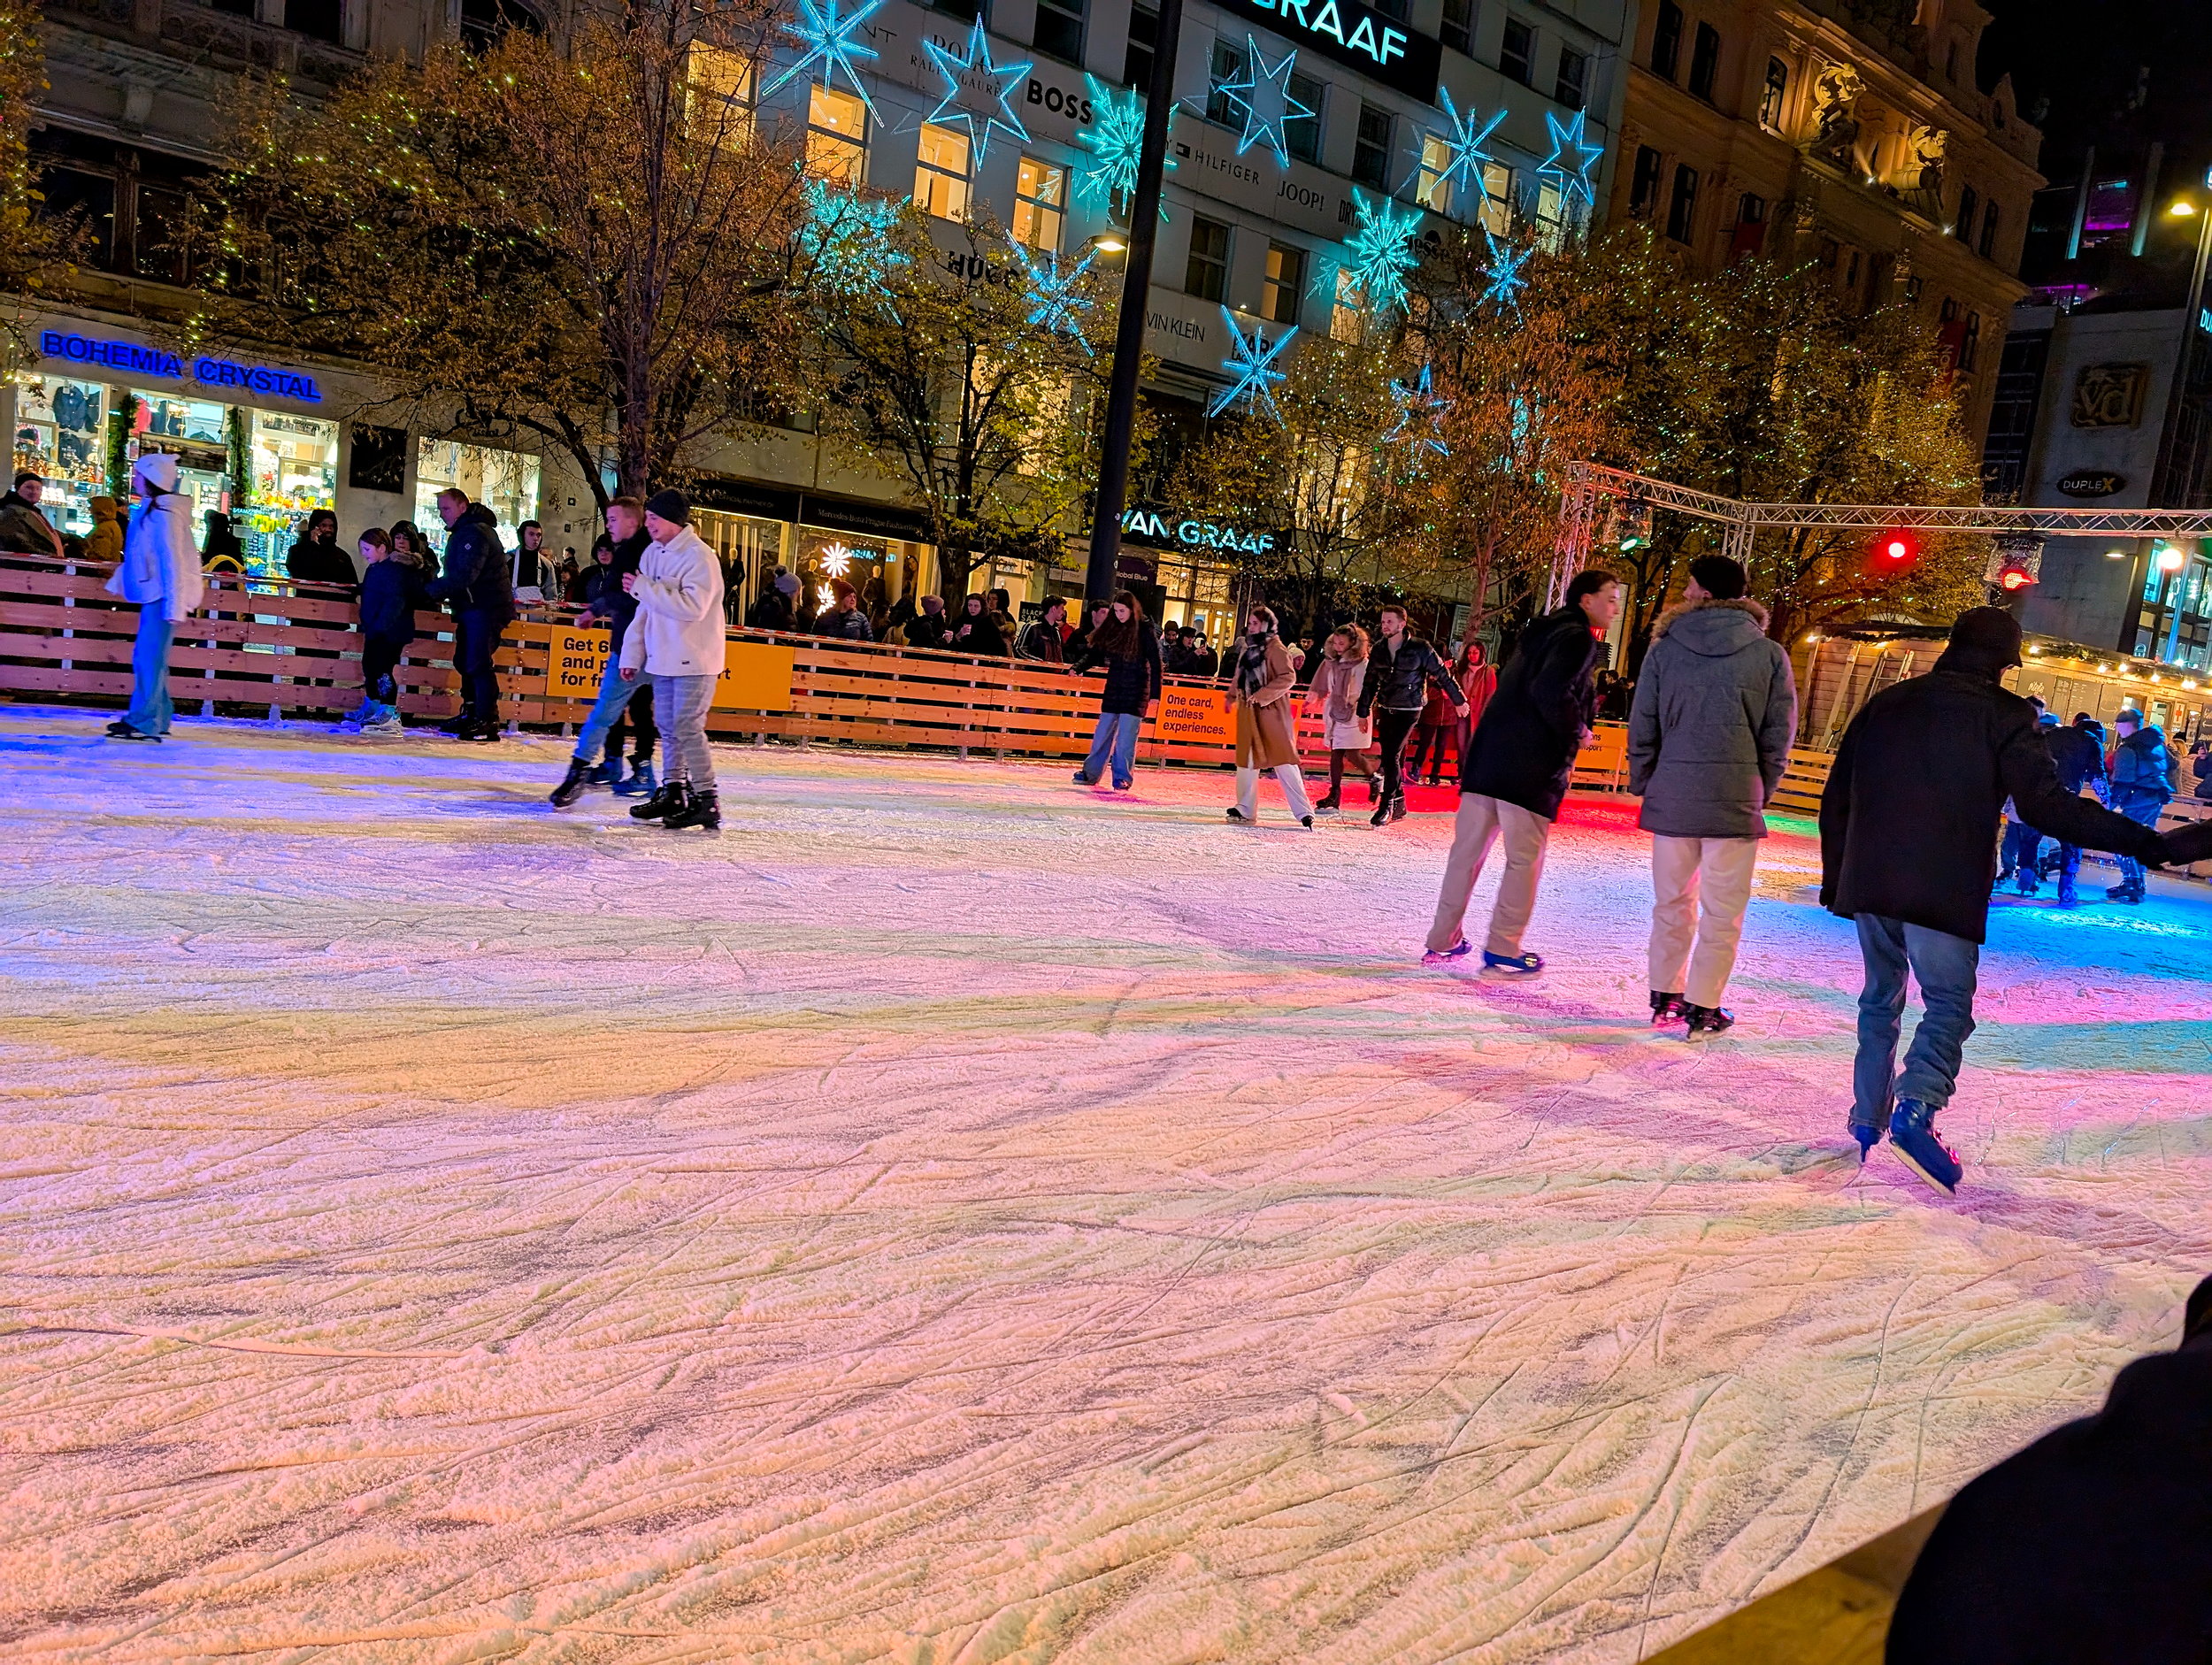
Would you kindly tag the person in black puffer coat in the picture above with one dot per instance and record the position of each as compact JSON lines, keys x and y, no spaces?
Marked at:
{"x":1515,"y":775}
{"x":1125,"y":644}
{"x":391,"y":590}
{"x":2142,"y":785}
{"x":475,"y":582}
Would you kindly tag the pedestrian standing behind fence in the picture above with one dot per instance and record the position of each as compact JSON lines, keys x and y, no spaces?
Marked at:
{"x":844,"y":621}
{"x":1432,"y":740}
{"x":1041,"y":640}
{"x":473,"y":581}
{"x":1401,"y":671}
{"x":677,"y":638}
{"x":976,"y":631}
{"x":1335,"y":690}
{"x":391,"y":589}
{"x":105,"y":542}
{"x":1127,"y":645}
{"x":1264,"y":693}
{"x":928,"y":628}
{"x":1515,"y":775}
{"x":1709,"y":741}
{"x":160,"y":572}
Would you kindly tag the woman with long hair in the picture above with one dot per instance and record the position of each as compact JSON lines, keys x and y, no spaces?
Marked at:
{"x":1125,"y":642}
{"x":1263,"y":683}
{"x":1335,"y":689}
{"x":976,"y":631}
{"x":160,"y":574}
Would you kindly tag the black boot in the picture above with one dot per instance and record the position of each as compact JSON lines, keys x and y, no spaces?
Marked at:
{"x":1666,"y":1009}
{"x":1708,"y":1020}
{"x":700,"y":809}
{"x":670,"y":799}
{"x":457,"y":726}
{"x":579,"y":775}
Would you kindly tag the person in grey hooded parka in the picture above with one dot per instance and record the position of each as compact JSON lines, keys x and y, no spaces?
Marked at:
{"x":1708,"y":737}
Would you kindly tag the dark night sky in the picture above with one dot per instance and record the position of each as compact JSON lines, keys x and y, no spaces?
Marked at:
{"x":2086,"y":56}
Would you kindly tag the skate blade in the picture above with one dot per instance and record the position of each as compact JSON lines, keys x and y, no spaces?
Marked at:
{"x":1926,"y":1179}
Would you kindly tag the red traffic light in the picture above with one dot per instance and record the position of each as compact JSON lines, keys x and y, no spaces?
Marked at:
{"x":1896,"y":549}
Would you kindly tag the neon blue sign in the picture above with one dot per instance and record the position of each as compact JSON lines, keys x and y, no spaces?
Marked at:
{"x":132,"y":359}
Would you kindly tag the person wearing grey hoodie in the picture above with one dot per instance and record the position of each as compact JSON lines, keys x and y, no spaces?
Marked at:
{"x":1709,"y":738}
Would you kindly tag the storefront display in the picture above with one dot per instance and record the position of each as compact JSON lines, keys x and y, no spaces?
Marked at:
{"x":751,"y":548}
{"x":506,"y":482}
{"x":195,"y":432}
{"x":61,"y":429}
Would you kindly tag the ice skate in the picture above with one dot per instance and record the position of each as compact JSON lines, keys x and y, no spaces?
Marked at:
{"x":1459,"y":950}
{"x":699,"y":809}
{"x":1513,"y":964}
{"x":573,"y":784}
{"x":640,"y":783}
{"x":1666,"y":1009}
{"x":1912,"y":1135}
{"x":1708,"y":1020}
{"x":669,"y":799}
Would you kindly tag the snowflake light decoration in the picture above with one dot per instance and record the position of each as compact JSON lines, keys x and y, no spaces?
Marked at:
{"x":828,"y":34}
{"x":1264,"y":97}
{"x":1571,"y":158}
{"x":1381,"y":250}
{"x":1420,"y":415}
{"x":1054,"y":304}
{"x":1504,"y":272}
{"x":848,"y":237}
{"x":1463,"y":140}
{"x":1117,"y":139}
{"x":978,"y":94}
{"x":837,"y":559}
{"x":1251,"y":367}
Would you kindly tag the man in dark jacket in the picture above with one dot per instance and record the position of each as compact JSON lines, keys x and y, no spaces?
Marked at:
{"x":474,"y":583}
{"x":1042,"y":639}
{"x":1515,"y":772}
{"x":773,"y":610}
{"x":1908,"y":846}
{"x":624,"y":703}
{"x":2142,"y":785}
{"x":2080,"y":761}
{"x":1709,"y":741}
{"x":24,"y":527}
{"x":1401,"y":670}
{"x":2094,"y":1545}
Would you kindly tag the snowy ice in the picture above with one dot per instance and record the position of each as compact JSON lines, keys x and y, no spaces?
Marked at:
{"x":954,"y":1215}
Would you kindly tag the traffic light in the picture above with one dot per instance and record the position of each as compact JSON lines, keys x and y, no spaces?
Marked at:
{"x":2013,"y":577}
{"x":1895,"y":550}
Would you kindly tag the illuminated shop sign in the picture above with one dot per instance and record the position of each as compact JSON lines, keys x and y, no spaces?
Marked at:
{"x":1186,"y":531}
{"x":1355,"y":35}
{"x":132,"y":359}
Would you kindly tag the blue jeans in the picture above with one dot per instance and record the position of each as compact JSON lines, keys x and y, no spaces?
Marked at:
{"x":614,"y":700}
{"x":1117,"y":732}
{"x":1945,"y":966}
{"x":2022,"y":843}
{"x":2144,"y":810}
{"x":151,"y":709}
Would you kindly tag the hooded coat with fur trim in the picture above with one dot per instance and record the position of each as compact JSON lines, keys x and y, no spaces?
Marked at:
{"x":1708,"y":736}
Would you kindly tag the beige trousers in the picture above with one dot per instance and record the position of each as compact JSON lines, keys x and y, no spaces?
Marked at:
{"x":1477,"y":826}
{"x":1288,"y":778}
{"x":1699,"y":890}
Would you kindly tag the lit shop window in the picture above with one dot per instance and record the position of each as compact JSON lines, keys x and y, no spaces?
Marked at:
{"x":1040,"y":194}
{"x":941,"y":173}
{"x":60,"y":429}
{"x":506,"y":482}
{"x":721,"y":84}
{"x":836,"y":135}
{"x":1497,"y":198}
{"x":1434,"y":191}
{"x":295,"y":465}
{"x":1347,"y":318}
{"x":1285,"y":291}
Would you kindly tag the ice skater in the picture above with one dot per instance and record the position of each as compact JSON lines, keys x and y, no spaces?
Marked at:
{"x":1125,"y":644}
{"x":1908,"y":850}
{"x":1515,"y":774}
{"x":624,"y":703}
{"x":1709,"y":741}
{"x":677,"y":640}
{"x":2142,"y":785}
{"x":1402,"y":672}
{"x":1336,"y":689}
{"x":391,"y":590}
{"x":1262,"y":685}
{"x":160,"y":572}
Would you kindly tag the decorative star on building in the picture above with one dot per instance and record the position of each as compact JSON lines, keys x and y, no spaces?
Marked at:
{"x":978,"y":94}
{"x":1571,"y":158}
{"x":1263,"y":95}
{"x":1420,"y":415}
{"x":1116,"y":137}
{"x":1380,"y":251}
{"x":1054,"y":304}
{"x":828,"y":33}
{"x":1251,"y":367}
{"x":1504,"y":272}
{"x":837,"y":559}
{"x":1463,"y":140}
{"x":848,"y":237}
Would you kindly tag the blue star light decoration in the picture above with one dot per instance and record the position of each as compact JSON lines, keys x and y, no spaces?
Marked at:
{"x":1571,"y":158}
{"x":1251,"y":367}
{"x":1055,"y":304}
{"x":849,"y":236}
{"x":1115,"y":138}
{"x":828,"y":34}
{"x":1420,"y":415}
{"x":1463,"y":140}
{"x":1504,"y":272}
{"x":973,"y":75}
{"x":1263,"y":95}
{"x":1380,"y":251}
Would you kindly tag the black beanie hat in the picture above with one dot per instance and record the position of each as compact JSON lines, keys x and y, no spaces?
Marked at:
{"x":1982,"y":638}
{"x":1721,"y":578}
{"x":670,"y":505}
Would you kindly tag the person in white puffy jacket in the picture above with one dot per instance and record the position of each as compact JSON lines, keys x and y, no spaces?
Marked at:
{"x":677,"y":637}
{"x":160,"y":572}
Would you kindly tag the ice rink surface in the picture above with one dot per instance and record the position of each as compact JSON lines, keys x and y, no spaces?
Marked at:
{"x":954,"y":1217}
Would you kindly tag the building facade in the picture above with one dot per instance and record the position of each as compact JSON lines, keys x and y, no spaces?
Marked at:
{"x":1848,"y":133}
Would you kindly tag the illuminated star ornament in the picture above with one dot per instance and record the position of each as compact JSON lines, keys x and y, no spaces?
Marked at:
{"x":1054,"y":304}
{"x":1420,"y":415}
{"x":1571,"y":158}
{"x":1381,"y":250}
{"x":978,"y":94}
{"x":1263,"y":95}
{"x":1504,"y":272}
{"x":1251,"y":367}
{"x":1463,"y":140}
{"x":837,"y":559}
{"x":828,"y":33}
{"x":1117,"y":139}
{"x":848,"y":237}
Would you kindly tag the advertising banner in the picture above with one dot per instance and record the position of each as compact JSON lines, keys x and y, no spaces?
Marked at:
{"x":1195,"y":716}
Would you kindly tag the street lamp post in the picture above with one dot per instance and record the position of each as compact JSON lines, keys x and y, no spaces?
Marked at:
{"x":1136,"y":290}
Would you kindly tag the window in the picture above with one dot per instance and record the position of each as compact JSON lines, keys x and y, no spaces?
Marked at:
{"x":1457,"y":28}
{"x":1751,"y":224}
{"x":1516,"y":52}
{"x":1971,"y":343}
{"x":1040,"y":199}
{"x":484,"y":21}
{"x":1969,"y":205}
{"x":941,"y":173}
{"x":1988,"y":245}
{"x":1370,"y":148}
{"x":1771,"y":96}
{"x":1432,"y":190}
{"x":1144,"y":35}
{"x":1285,"y":291}
{"x":162,"y":219}
{"x":1347,"y":322}
{"x":1553,"y":225}
{"x":836,"y":134}
{"x":317,"y":19}
{"x":1643,"y":183}
{"x":1574,"y":75}
{"x":1704,"y":61}
{"x":506,"y":482}
{"x":1497,"y":198}
{"x":1666,"y":40}
{"x":1206,"y":274}
{"x":1226,"y":69}
{"x":88,"y":199}
{"x":1394,"y":10}
{"x":718,"y":85}
{"x":1059,"y":29}
{"x":1682,"y":206}
{"x":1303,"y":139}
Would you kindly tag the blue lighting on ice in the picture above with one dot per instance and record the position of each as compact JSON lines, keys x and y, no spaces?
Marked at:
{"x":973,"y":76}
{"x":827,"y":32}
{"x":1251,"y":367}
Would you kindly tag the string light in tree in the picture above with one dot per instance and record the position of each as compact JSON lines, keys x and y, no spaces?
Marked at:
{"x":848,"y":237}
{"x":978,"y":94}
{"x":829,"y":34}
{"x":1420,"y":425}
{"x":1116,"y":137}
{"x":1380,"y":251}
{"x":1571,"y":158}
{"x":1251,"y":367}
{"x":1264,"y":97}
{"x":1505,"y":281}
{"x":1054,"y":303}
{"x":1463,"y":139}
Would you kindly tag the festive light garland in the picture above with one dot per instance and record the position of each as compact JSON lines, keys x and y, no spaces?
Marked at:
{"x":1505,"y":282}
{"x":1055,"y":304}
{"x":1464,"y":143}
{"x":1381,"y":250}
{"x":1116,"y":137}
{"x":1571,"y":158}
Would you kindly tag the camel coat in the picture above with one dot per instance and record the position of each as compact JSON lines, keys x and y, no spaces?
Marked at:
{"x":1267,"y":720}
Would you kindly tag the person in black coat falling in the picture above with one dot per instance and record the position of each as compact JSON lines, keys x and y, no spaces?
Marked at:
{"x":475,"y":584}
{"x":1909,"y":851}
{"x":1401,"y":670}
{"x":1515,"y":774}
{"x":1129,"y":648}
